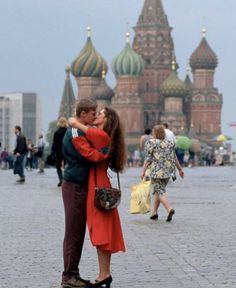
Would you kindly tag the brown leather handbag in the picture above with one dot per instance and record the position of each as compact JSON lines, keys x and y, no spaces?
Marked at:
{"x":106,"y":198}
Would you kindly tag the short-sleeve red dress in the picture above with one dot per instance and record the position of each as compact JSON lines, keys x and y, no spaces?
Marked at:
{"x":104,"y":226}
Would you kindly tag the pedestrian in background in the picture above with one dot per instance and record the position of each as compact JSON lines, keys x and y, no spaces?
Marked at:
{"x":20,"y":152}
{"x":143,"y":139}
{"x":4,"y":158}
{"x":57,"y":147}
{"x":161,"y":161}
{"x":40,"y":153}
{"x":169,"y":134}
{"x":29,"y":157}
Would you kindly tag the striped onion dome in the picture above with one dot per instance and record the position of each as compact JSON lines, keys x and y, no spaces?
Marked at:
{"x":203,"y":57}
{"x":89,"y":63}
{"x":173,"y":86}
{"x":128,"y":62}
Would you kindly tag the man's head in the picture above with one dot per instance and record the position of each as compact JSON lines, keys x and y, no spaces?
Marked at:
{"x":17,"y":129}
{"x":148,"y":131}
{"x":86,"y":111}
{"x":166,"y":126}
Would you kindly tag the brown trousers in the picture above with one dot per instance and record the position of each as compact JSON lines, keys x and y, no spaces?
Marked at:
{"x":74,"y":199}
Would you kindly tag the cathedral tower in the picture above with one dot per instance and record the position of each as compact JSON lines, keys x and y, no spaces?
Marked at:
{"x":206,"y":102}
{"x":174,"y":90}
{"x":154,"y":43}
{"x":87,"y":69}
{"x":128,"y":68}
{"x":67,"y":106}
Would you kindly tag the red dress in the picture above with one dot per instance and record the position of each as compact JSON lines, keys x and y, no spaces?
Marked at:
{"x":104,"y":226}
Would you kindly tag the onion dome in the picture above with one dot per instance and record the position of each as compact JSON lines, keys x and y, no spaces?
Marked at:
{"x":203,"y":57}
{"x":173,"y":86}
{"x":128,"y":62}
{"x":103,"y":91}
{"x":89,"y":63}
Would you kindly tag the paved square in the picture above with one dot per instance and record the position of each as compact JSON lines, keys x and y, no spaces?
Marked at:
{"x":197,"y":249}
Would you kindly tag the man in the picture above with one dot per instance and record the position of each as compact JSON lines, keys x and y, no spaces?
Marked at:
{"x":20,"y":151}
{"x":39,"y":154}
{"x":74,"y":193}
{"x":143,"y":140}
{"x":169,"y":134}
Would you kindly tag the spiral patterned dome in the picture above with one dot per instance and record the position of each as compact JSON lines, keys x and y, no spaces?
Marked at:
{"x":173,"y":86}
{"x":89,"y":63}
{"x":203,"y":57}
{"x":128,"y":62}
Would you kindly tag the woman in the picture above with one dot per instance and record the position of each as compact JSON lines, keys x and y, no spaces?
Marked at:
{"x":104,"y":227}
{"x":161,"y":161}
{"x":57,"y":146}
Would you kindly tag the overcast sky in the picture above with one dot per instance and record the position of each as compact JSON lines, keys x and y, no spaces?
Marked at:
{"x":38,"y":38}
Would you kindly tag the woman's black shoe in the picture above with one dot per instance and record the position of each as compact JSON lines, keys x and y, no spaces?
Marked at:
{"x":171,"y":213}
{"x":105,"y":282}
{"x":154,"y":217}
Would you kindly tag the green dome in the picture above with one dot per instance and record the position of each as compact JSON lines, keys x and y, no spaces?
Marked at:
{"x":89,"y":63}
{"x":173,"y":86}
{"x":128,"y":62}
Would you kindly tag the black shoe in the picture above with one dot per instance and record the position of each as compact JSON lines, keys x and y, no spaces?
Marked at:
{"x":171,"y":213}
{"x":154,"y":217}
{"x":21,"y":180}
{"x":105,"y":282}
{"x":59,"y":184}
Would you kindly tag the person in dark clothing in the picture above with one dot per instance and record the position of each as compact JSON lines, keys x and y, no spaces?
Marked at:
{"x":57,"y":146}
{"x":20,"y":152}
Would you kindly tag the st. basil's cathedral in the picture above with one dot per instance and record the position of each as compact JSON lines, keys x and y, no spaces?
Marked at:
{"x":148,"y":90}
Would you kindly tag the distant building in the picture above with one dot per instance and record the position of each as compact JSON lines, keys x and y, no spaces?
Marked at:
{"x":23,"y":109}
{"x":148,"y":89}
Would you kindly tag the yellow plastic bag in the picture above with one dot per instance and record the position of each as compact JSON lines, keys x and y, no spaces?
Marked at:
{"x":140,"y":198}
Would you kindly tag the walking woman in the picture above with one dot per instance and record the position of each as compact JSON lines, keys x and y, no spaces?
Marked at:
{"x":161,"y":160}
{"x":104,"y":226}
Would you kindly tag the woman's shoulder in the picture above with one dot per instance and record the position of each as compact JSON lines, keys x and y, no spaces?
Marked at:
{"x":97,"y":135}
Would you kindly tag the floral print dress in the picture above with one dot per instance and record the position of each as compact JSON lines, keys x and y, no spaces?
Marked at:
{"x":161,"y":156}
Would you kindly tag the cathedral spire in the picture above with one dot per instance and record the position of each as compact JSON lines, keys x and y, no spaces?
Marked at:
{"x":153,"y":14}
{"x":68,"y":98}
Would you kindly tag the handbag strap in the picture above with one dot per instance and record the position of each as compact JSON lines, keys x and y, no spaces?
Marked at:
{"x":95,"y":177}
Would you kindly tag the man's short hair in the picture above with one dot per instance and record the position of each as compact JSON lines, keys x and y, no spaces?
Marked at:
{"x":85,"y":105}
{"x":18,"y":128}
{"x":148,"y":131}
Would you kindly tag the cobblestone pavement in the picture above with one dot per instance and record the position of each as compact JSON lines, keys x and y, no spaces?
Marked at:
{"x":197,"y":249}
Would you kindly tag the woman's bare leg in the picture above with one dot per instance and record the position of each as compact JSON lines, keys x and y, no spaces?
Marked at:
{"x":165,"y":202}
{"x":156,"y":204}
{"x":104,"y":261}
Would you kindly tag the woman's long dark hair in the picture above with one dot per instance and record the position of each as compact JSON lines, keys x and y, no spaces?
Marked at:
{"x":114,"y":129}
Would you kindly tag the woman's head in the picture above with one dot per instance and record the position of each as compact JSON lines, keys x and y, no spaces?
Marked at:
{"x":110,"y":121}
{"x":62,"y":122}
{"x":159,"y":132}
